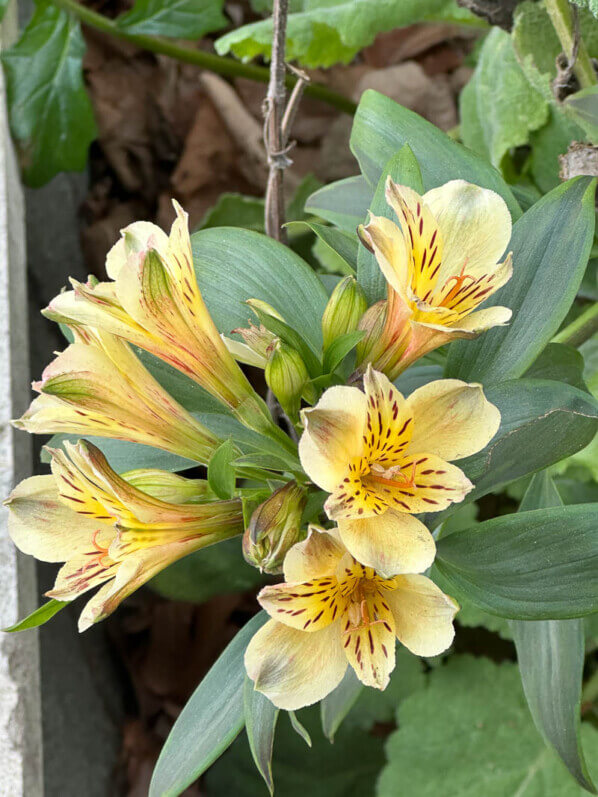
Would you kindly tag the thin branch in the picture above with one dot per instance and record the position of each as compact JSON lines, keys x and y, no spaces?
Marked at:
{"x":566,"y":27}
{"x":293,"y":104}
{"x":274,"y":109}
{"x":219,"y":64}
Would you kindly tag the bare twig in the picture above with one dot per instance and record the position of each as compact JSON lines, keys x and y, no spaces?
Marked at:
{"x":293,"y":104}
{"x":274,"y":107}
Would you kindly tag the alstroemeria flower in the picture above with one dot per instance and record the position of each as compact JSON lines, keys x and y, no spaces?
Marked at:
{"x":332,"y":612}
{"x":384,"y":458}
{"x":98,"y":386}
{"x":154,"y":302}
{"x":440,"y":264}
{"x":108,"y":532}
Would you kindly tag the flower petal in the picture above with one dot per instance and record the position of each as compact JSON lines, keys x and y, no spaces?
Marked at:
{"x":468,"y":292}
{"x":135,"y":238}
{"x":333,"y":435}
{"x":370,"y":646}
{"x":391,"y":251}
{"x":453,"y":419}
{"x":389,"y":422}
{"x":40,"y":524}
{"x":475,"y":225}
{"x":309,"y":606}
{"x":480,"y":321}
{"x":316,"y":557}
{"x":392,"y":543}
{"x":292,"y":668}
{"x":421,"y":232}
{"x":423,"y":615}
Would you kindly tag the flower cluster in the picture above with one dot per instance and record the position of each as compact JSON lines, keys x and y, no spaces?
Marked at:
{"x":353,"y":586}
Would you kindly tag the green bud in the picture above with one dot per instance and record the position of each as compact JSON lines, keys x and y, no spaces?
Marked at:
{"x":286,"y":376}
{"x":274,"y":528}
{"x":344,"y":309}
{"x":372,"y":322}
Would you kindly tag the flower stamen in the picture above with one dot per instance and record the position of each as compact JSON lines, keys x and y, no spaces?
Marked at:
{"x":459,"y":280}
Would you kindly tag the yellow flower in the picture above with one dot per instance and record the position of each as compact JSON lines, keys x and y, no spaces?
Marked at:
{"x":154,"y":302}
{"x":98,"y":386}
{"x":440,"y":264}
{"x":333,"y":611}
{"x":108,"y":532}
{"x":384,"y":458}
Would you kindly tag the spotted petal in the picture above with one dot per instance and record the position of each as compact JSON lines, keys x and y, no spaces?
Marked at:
{"x":391,"y":251}
{"x":309,"y":606}
{"x":370,"y":646}
{"x":294,"y":669}
{"x":389,"y":423}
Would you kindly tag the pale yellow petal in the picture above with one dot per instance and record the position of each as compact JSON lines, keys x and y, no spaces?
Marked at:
{"x":480,"y":321}
{"x":135,"y":238}
{"x":391,"y":251}
{"x":369,"y":640}
{"x":316,"y":557}
{"x":392,"y":543}
{"x":309,"y":606}
{"x":389,"y":424}
{"x":475,"y":225}
{"x":333,"y":435}
{"x":423,"y":615}
{"x":452,"y":419}
{"x":41,"y":525}
{"x":292,"y":668}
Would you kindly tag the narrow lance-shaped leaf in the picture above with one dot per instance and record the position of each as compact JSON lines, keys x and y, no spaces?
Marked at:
{"x":210,"y":721}
{"x":38,"y":617}
{"x":551,"y":245}
{"x":527,"y":566}
{"x":51,"y":117}
{"x":335,"y":707}
{"x":260,"y":723}
{"x":344,"y":203}
{"x":221,"y":474}
{"x":551,"y":660}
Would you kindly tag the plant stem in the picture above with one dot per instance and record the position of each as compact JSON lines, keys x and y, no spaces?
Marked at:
{"x":274,"y":113}
{"x":561,"y":17}
{"x":214,"y":63}
{"x":580,"y":330}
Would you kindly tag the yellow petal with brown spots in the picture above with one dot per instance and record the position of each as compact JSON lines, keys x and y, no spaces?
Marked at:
{"x":310,"y":606}
{"x":368,"y":631}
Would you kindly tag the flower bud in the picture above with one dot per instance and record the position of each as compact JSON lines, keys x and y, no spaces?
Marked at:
{"x":372,"y":322}
{"x":344,"y":309}
{"x":286,"y":376}
{"x":256,"y":345}
{"x":274,"y":528}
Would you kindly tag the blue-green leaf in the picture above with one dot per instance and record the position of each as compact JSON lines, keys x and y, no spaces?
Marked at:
{"x":212,"y":718}
{"x":551,"y":660}
{"x":260,"y":723}
{"x":335,"y":706}
{"x":344,"y":203}
{"x":182,"y":19}
{"x":221,"y":474}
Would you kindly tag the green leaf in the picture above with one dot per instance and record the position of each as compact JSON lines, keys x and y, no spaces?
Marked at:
{"x":592,"y":5}
{"x":344,"y":203}
{"x":542,"y":422}
{"x":527,"y":566}
{"x":547,"y":144}
{"x":559,"y":362}
{"x":499,"y":107}
{"x":335,"y":706}
{"x":234,"y":265}
{"x":583,"y":109}
{"x":401,"y":168}
{"x":235,"y":210}
{"x":382,"y":126}
{"x":417,"y":376}
{"x":551,"y":660}
{"x":339,"y":348}
{"x":260,"y":724}
{"x":292,"y":338}
{"x":40,"y":616}
{"x":324,"y":33}
{"x":551,"y":245}
{"x":3,"y":7}
{"x":212,"y":718}
{"x":343,"y":245}
{"x":299,"y":728}
{"x":221,"y":474}
{"x":182,"y":19}
{"x":51,"y":117}
{"x":346,"y":768}
{"x":470,"y":734}
{"x":217,"y":570}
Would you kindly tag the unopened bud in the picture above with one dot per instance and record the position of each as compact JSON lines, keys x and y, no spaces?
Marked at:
{"x":256,"y":345}
{"x":286,"y":376}
{"x":372,"y":323}
{"x":345,"y":307}
{"x":274,"y":528}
